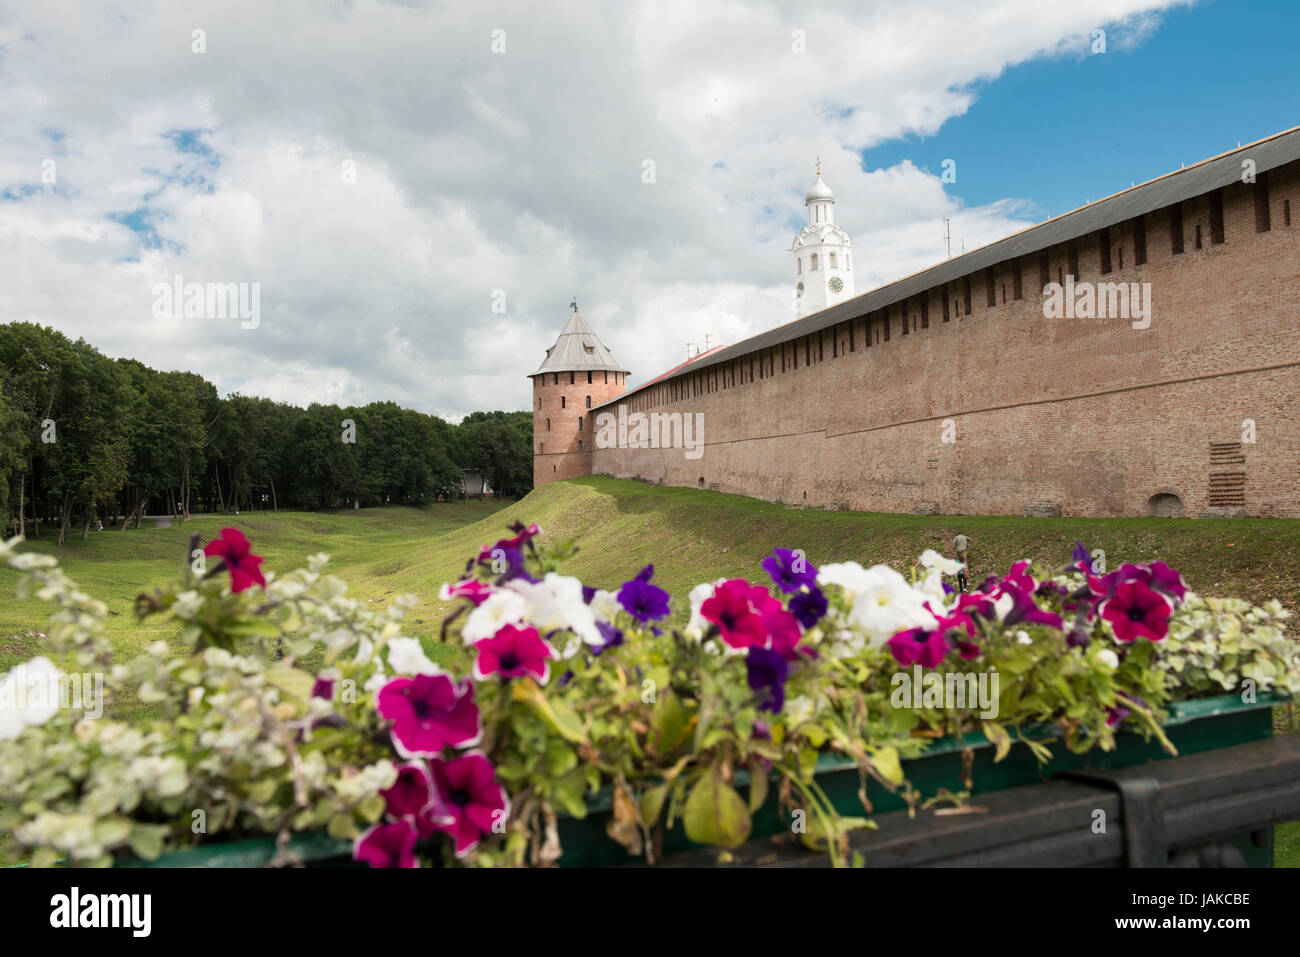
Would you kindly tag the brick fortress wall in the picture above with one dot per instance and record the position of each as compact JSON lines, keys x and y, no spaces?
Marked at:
{"x":992,"y":408}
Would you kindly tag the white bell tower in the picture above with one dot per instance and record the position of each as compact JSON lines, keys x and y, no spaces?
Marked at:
{"x":823,"y":254}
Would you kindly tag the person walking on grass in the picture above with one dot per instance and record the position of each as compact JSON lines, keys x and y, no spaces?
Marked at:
{"x":959,"y":545}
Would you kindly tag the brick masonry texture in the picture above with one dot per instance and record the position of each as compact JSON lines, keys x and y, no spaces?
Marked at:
{"x":1090,"y":416}
{"x":556,"y":435}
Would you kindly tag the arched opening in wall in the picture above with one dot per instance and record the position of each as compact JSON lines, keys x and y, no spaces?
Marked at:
{"x":701,"y":481}
{"x":1165,"y":505}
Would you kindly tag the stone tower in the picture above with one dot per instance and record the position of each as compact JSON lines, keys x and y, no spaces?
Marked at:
{"x":823,"y":265}
{"x":577,"y":375}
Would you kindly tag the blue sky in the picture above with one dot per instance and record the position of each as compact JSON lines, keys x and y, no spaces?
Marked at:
{"x":1065,"y":130}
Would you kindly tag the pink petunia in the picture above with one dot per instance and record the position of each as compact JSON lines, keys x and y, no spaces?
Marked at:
{"x":514,"y":653}
{"x":387,"y":845}
{"x":236,"y":552}
{"x":429,"y":713}
{"x":1137,"y":611}
{"x":469,"y":801}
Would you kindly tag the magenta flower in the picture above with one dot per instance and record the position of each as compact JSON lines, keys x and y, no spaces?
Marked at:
{"x":1136,"y":611}
{"x":429,"y":713}
{"x":412,"y":792}
{"x":469,"y":800}
{"x":514,"y":653}
{"x":387,"y":845}
{"x":918,"y":646}
{"x":738,"y":623}
{"x":473,"y":589}
{"x":236,"y":552}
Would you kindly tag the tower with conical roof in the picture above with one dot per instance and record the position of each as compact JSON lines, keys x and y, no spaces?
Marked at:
{"x":823,"y":254}
{"x":578,"y":374}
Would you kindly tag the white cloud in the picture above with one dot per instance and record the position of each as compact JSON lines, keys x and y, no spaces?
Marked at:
{"x":477,"y":172}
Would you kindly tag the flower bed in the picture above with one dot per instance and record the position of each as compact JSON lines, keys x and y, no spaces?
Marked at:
{"x":800,"y":701}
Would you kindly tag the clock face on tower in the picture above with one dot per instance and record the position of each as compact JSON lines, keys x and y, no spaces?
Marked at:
{"x":836,"y":284}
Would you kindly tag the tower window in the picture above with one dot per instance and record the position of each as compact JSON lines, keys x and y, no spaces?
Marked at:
{"x":798,"y":266}
{"x":570,"y":378}
{"x":579,"y":423}
{"x":832,"y":260}
{"x":848,"y":262}
{"x":589,"y":383}
{"x":589,"y":402}
{"x":579,"y":445}
{"x":561,"y":402}
{"x":812,"y":266}
{"x":548,"y":425}
{"x":557,"y":378}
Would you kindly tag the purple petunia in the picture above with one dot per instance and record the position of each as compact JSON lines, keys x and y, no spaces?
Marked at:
{"x":790,"y":570}
{"x":643,"y":601}
{"x":611,"y":633}
{"x":808,"y":607}
{"x":767,"y":671}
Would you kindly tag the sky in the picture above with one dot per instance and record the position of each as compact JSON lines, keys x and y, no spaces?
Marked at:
{"x":416,"y":191}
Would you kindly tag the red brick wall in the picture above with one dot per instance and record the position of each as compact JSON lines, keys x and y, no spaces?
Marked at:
{"x":1090,"y":415}
{"x":555,"y":448}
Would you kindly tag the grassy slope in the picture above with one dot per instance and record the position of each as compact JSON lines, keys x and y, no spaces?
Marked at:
{"x":690,"y":535}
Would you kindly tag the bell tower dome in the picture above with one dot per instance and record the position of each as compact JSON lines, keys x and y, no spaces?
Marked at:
{"x":578,"y":374}
{"x":823,"y":257}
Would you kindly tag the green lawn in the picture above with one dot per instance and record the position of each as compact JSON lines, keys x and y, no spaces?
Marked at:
{"x":690,"y":535}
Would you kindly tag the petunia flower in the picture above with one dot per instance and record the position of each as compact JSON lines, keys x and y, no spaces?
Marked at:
{"x":387,"y":845}
{"x":918,"y":646}
{"x":236,"y":552}
{"x":809,"y":607}
{"x":612,"y":634}
{"x":470,"y":802}
{"x":473,"y":589}
{"x":1136,"y":611}
{"x":789,"y":570}
{"x":429,"y":713}
{"x":412,"y":792}
{"x":514,"y":653}
{"x":643,"y":601}
{"x":766,"y":671}
{"x":739,"y":624}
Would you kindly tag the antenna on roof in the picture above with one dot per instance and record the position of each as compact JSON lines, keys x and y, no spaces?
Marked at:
{"x":947,"y":236}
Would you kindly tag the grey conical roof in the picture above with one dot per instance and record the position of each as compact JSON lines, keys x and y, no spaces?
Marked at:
{"x":578,"y":349}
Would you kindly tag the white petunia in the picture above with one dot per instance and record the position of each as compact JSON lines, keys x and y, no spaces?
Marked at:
{"x":502,"y":608}
{"x":407,"y":657}
{"x":29,"y":696}
{"x":885,"y":604}
{"x":555,"y":604}
{"x":945,"y":566}
{"x":1108,"y":658}
{"x":604,"y":605}
{"x":701,"y":593}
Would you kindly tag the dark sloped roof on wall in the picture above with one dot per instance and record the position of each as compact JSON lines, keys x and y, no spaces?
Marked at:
{"x":1195,"y":180}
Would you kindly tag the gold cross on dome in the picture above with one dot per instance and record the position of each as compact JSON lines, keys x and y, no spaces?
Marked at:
{"x":819,"y":166}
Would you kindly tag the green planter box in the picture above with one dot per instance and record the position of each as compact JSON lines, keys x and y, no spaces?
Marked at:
{"x":1193,"y":726}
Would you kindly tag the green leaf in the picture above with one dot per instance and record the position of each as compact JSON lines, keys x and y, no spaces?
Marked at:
{"x":757,"y":786}
{"x":146,"y":840}
{"x":652,"y":804}
{"x":556,"y":713}
{"x":560,"y":759}
{"x":887,"y":765}
{"x":291,"y":681}
{"x":668,"y":723}
{"x":715,"y":813}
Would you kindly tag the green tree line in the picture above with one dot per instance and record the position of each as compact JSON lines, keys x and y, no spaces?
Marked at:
{"x":86,"y":439}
